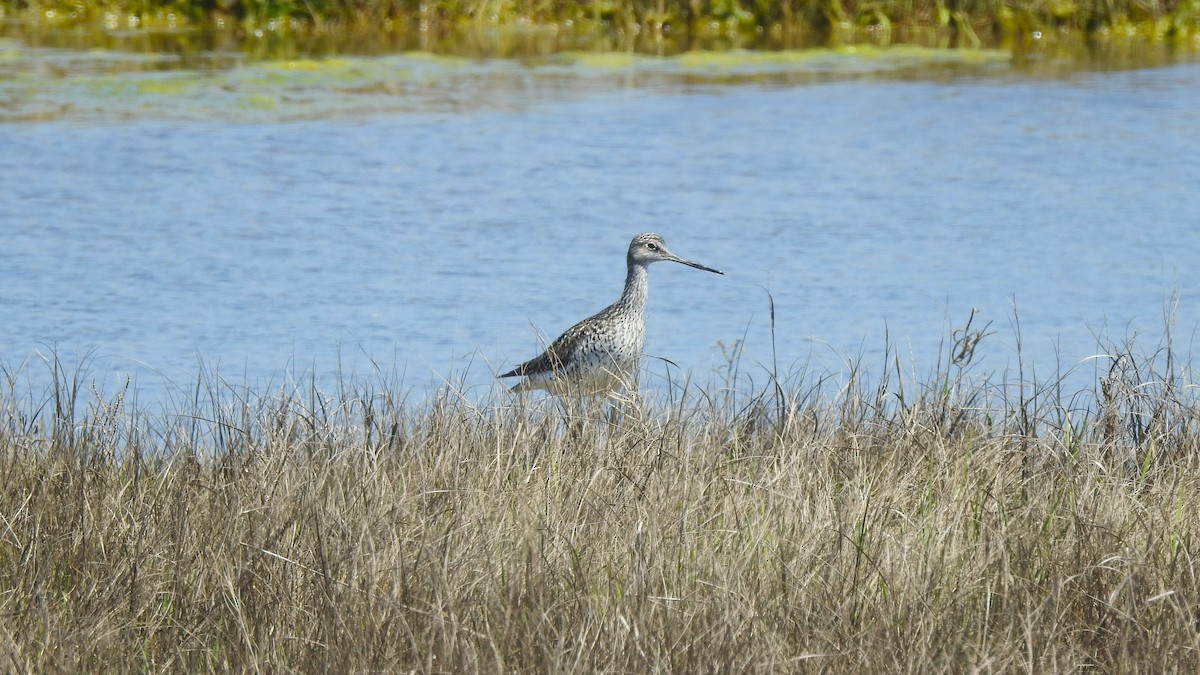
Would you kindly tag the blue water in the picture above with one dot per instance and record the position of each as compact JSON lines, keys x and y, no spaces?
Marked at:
{"x":431,"y":243}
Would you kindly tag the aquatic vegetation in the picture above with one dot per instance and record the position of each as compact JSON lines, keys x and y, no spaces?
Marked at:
{"x":103,"y":85}
{"x":508,"y":27}
{"x":844,"y":522}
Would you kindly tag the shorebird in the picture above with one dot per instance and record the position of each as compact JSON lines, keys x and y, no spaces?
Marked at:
{"x":599,"y":355}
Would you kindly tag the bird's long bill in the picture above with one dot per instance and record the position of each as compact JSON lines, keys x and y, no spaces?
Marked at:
{"x":697,"y":265}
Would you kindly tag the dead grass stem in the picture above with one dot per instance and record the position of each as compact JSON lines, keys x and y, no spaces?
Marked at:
{"x":953,"y":523}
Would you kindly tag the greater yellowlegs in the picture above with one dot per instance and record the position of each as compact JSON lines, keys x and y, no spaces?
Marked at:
{"x":600,"y":354}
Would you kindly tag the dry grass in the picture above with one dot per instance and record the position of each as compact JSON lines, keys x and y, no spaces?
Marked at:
{"x":962,"y":523}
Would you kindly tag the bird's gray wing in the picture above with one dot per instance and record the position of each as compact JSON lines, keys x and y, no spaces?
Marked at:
{"x":553,"y":358}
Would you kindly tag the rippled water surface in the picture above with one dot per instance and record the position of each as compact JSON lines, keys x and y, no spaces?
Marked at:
{"x":435,"y":237}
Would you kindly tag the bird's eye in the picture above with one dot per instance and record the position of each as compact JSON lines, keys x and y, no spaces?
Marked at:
{"x":652,"y":246}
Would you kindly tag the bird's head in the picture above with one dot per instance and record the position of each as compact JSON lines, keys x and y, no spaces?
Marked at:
{"x":648,"y":248}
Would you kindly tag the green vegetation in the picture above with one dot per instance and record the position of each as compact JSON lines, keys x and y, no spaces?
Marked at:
{"x":647,"y":25}
{"x":956,"y":522}
{"x":112,"y":85}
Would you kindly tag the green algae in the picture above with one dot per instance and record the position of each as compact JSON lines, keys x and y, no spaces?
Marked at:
{"x":261,"y":102}
{"x":106,"y":84}
{"x":599,"y":60}
{"x":854,"y":57}
{"x":327,"y":66}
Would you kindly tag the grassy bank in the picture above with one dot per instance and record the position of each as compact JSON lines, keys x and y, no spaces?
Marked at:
{"x":645,"y":24}
{"x":845,"y":523}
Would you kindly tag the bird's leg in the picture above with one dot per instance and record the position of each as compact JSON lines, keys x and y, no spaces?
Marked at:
{"x":622,"y":404}
{"x":616,"y":411}
{"x":575,"y":411}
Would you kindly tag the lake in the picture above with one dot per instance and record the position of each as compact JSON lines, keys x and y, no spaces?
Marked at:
{"x":436,"y":219}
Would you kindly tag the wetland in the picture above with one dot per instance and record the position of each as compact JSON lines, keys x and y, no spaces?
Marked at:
{"x":259,"y":264}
